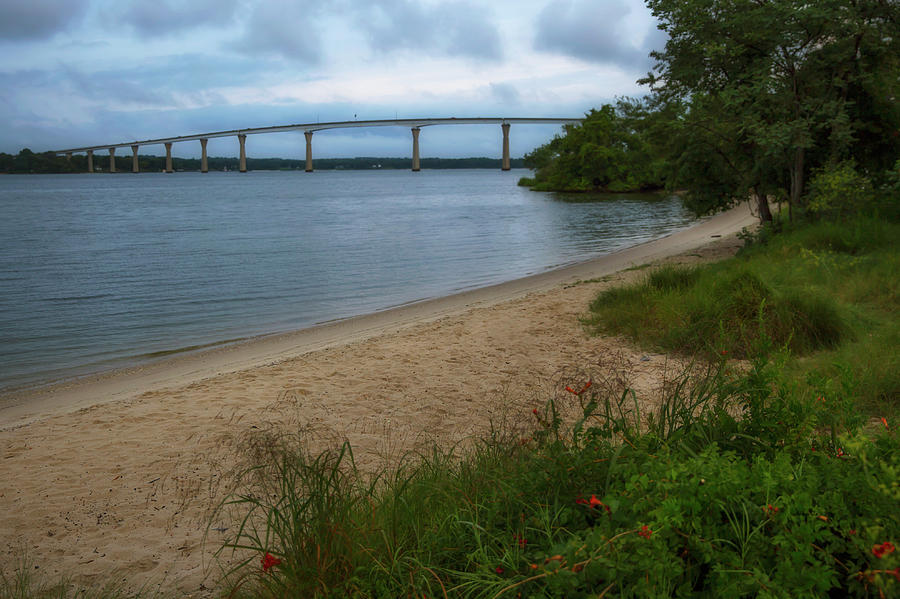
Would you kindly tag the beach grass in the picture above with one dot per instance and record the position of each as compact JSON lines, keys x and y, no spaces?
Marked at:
{"x":735,"y":484}
{"x":825,"y":292}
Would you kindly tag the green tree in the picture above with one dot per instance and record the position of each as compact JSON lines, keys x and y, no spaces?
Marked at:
{"x":611,"y":150}
{"x":775,"y":88}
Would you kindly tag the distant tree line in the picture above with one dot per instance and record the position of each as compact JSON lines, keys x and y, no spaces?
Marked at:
{"x":30,"y":162}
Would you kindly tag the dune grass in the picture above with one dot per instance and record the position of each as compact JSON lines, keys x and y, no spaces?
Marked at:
{"x":736,"y":485}
{"x":826,"y":292}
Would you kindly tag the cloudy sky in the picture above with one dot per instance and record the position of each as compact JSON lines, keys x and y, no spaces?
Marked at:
{"x":86,"y":72}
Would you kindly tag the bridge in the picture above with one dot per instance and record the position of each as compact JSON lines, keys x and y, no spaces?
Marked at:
{"x":308,"y":129}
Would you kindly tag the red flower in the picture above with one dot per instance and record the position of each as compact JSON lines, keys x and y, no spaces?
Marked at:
{"x":884,"y":422}
{"x":724,"y":352}
{"x":498,"y":570}
{"x":645,"y":532}
{"x":895,"y":573}
{"x":593,"y":502}
{"x":571,"y":390}
{"x":771,"y":509}
{"x":522,"y":541}
{"x":269,"y":561}
{"x":883,"y":549}
{"x":534,"y":411}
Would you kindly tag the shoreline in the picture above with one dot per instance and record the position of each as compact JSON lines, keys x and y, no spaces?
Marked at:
{"x":24,"y":406}
{"x":113,"y":478}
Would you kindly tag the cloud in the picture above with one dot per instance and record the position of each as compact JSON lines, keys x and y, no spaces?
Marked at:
{"x":167,"y":17}
{"x":604,"y":32}
{"x":505,"y":93}
{"x":450,"y":28}
{"x":288,"y":30}
{"x":37,"y":19}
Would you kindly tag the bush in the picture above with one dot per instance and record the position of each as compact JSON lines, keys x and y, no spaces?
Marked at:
{"x":717,"y":310}
{"x":839,"y":191}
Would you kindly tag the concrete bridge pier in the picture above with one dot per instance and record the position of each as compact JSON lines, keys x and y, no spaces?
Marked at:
{"x":68,"y":156}
{"x":135,"y":167}
{"x":169,"y":168}
{"x":415,"y":160}
{"x":112,"y":160}
{"x":90,"y":155}
{"x":505,"y":127}
{"x":204,"y":162}
{"x":308,"y":135}
{"x":243,"y":140}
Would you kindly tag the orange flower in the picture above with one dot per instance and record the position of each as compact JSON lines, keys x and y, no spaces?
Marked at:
{"x":587,"y":386}
{"x":884,"y":422}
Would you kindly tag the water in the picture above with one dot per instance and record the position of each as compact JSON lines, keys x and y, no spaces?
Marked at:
{"x":100,"y":271}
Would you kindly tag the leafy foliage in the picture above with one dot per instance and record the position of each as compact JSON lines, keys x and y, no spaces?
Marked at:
{"x":611,"y":150}
{"x":775,"y":88}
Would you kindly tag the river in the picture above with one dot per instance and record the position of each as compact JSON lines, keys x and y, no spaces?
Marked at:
{"x":101,"y":271}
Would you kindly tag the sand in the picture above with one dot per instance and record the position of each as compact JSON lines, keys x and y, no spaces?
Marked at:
{"x":110,"y":477}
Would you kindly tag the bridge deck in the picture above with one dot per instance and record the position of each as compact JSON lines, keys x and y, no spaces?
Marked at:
{"x":333,"y":125}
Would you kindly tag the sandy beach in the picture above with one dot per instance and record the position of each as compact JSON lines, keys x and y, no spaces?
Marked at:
{"x":110,"y":477}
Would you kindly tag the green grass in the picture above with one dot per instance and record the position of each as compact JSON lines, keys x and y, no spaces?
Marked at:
{"x":826,"y":292}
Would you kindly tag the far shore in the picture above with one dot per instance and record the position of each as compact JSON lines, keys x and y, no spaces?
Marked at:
{"x":110,"y":479}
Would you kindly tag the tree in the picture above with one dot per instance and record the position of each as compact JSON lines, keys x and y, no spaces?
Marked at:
{"x":775,"y":88}
{"x":611,"y":150}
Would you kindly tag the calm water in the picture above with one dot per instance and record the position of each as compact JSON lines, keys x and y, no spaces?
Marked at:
{"x":98,"y":271}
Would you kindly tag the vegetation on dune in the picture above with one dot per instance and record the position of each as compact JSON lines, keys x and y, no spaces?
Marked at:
{"x":738,"y":484}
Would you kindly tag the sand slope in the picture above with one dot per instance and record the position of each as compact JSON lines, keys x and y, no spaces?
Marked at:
{"x":110,"y":477}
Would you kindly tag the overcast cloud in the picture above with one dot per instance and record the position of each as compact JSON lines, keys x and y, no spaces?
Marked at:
{"x":36,"y":19}
{"x":169,"y":17}
{"x":90,"y":72}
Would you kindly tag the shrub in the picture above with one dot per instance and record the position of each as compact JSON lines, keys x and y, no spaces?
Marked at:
{"x":839,"y":191}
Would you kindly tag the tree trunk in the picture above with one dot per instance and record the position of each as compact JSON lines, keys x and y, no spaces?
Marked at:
{"x":796,"y":178}
{"x":762,"y":205}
